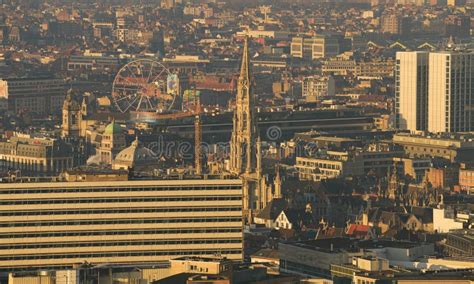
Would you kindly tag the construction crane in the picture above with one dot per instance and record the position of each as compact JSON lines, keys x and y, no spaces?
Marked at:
{"x":197,"y":135}
{"x":192,"y":111}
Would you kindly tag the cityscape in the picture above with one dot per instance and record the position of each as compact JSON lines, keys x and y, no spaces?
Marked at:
{"x":232,"y":142}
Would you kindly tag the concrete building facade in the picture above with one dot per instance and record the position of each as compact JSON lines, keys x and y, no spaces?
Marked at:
{"x":315,"y":88}
{"x":316,"y":47}
{"x":60,"y":225}
{"x":42,"y":96}
{"x":36,"y":155}
{"x":411,"y":92}
{"x":450,"y":92}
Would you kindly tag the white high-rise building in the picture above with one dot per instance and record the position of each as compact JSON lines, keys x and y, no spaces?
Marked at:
{"x":411,"y":94}
{"x":451,"y":92}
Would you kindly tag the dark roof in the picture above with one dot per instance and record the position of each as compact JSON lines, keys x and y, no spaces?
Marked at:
{"x":293,"y":215}
{"x":424,"y":214}
{"x":267,"y":253}
{"x":404,"y":217}
{"x":181,"y":278}
{"x":339,"y":244}
{"x":273,"y":209}
{"x":388,"y":217}
{"x":334,"y":232}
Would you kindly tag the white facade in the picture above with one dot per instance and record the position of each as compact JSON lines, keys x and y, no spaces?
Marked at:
{"x":412,"y":90}
{"x":442,"y":223}
{"x":282,"y":222}
{"x":450,"y":92}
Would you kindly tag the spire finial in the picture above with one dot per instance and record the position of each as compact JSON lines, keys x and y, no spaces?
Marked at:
{"x":135,"y":142}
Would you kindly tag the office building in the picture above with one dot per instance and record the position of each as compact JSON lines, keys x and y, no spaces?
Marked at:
{"x":411,"y":93}
{"x":333,"y":164}
{"x":454,"y":148}
{"x":93,"y":62}
{"x":466,"y":178}
{"x":376,"y":68}
{"x":411,"y":2}
{"x":41,"y":96}
{"x":346,"y":273}
{"x":395,"y":24}
{"x":450,"y":92}
{"x":315,"y":88}
{"x":63,"y":224}
{"x":320,"y":46}
{"x":36,"y":155}
{"x":343,"y":64}
{"x":319,"y":257}
{"x":433,"y":91}
{"x":458,"y":26}
{"x":460,"y":243}
{"x":456,"y":2}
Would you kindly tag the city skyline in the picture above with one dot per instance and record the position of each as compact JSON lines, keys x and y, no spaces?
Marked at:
{"x":181,"y":141}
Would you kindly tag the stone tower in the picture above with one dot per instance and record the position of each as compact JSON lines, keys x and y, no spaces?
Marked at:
{"x":244,"y":134}
{"x":71,"y":122}
{"x":245,"y":160}
{"x":113,"y":141}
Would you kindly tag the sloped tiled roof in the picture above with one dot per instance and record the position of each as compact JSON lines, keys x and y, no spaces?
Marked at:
{"x":273,"y":209}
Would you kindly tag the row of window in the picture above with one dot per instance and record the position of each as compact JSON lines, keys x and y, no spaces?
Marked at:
{"x":116,"y":189}
{"x":122,"y":243}
{"x":118,"y":221}
{"x":83,"y":256}
{"x":118,"y":200}
{"x":120,"y":232}
{"x":120,"y":211}
{"x":320,"y":165}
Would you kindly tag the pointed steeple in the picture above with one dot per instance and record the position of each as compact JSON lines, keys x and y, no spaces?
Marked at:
{"x":451,"y":43}
{"x":277,"y":183}
{"x":245,"y":66}
{"x":135,"y":142}
{"x":244,"y":133}
{"x":245,"y":144}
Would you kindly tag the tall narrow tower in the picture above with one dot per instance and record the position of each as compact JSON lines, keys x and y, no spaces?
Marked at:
{"x":71,"y":116}
{"x":244,"y":135}
{"x":244,"y":152}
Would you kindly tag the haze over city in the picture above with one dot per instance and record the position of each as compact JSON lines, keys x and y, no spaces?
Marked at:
{"x":277,"y":142}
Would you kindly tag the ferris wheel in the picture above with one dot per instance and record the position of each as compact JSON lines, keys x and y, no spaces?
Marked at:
{"x":145,"y":86}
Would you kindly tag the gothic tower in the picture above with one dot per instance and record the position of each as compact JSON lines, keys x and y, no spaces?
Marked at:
{"x":244,"y":135}
{"x":245,"y":159}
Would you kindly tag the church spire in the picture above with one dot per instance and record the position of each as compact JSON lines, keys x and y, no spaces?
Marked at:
{"x":244,"y":134}
{"x":245,"y":67}
{"x":245,"y":145}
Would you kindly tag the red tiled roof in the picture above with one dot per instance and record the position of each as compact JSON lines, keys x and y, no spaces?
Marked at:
{"x":355,"y":229}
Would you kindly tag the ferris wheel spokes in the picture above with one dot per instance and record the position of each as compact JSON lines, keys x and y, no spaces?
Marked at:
{"x":142,"y":86}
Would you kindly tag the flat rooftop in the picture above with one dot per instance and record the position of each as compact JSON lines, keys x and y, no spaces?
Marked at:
{"x":132,"y":183}
{"x":341,"y":244}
